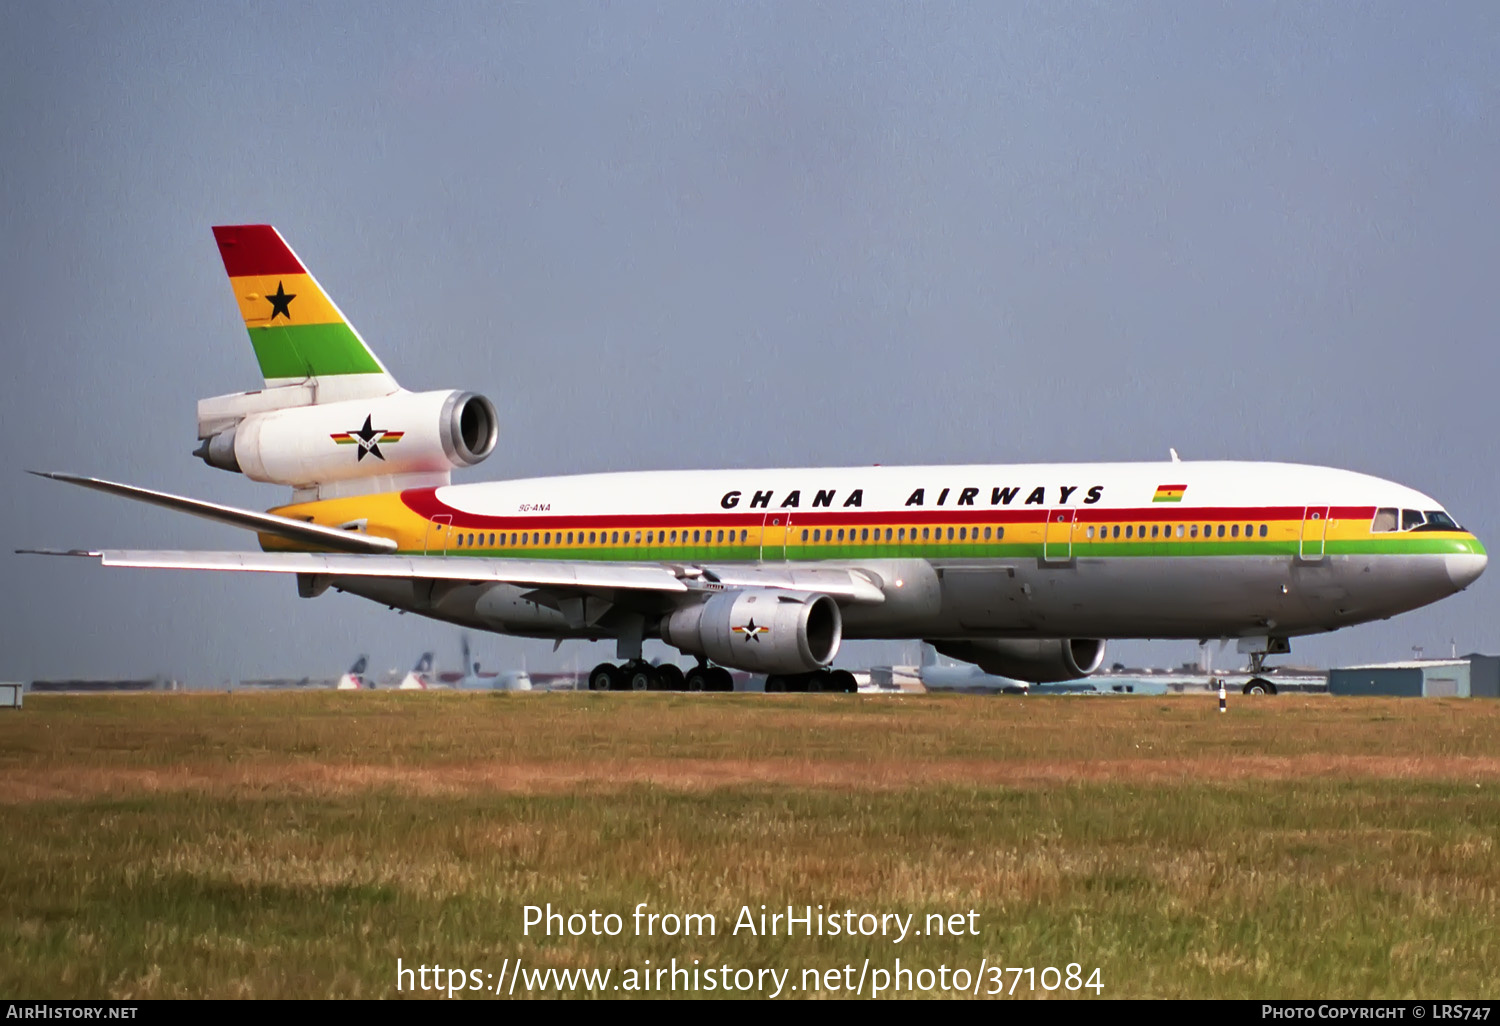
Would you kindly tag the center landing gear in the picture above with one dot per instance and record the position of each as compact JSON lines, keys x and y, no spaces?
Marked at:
{"x":841,"y":681}
{"x":709,"y":678}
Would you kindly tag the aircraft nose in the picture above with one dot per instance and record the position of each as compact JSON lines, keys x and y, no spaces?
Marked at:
{"x":1464,"y":570}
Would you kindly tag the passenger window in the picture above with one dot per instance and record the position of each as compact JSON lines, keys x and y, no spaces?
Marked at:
{"x":1386,"y":519}
{"x":458,"y":542}
{"x":1234,"y":530}
{"x":1155,"y":528}
{"x":925,"y":535}
{"x":887,"y":534}
{"x":1179,"y":530}
{"x":1410,"y":519}
{"x":570,"y":537}
{"x":902,"y":535}
{"x":721,"y":536}
{"x":1221,"y":530}
{"x":674,"y":537}
{"x":1193,"y":531}
{"x":695,"y":537}
{"x":1116,"y":531}
{"x":1090,"y":532}
{"x":650,"y":537}
{"x":744,"y":535}
{"x":986,"y":534}
{"x":1128,"y":529}
{"x":999,"y":533}
{"x":950,"y":534}
{"x":1262,"y":530}
{"x":864,"y":534}
{"x":547,"y":538}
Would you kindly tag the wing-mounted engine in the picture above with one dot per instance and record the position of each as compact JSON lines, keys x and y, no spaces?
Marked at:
{"x":761,"y":630}
{"x":405,"y":439}
{"x":1036,"y":661}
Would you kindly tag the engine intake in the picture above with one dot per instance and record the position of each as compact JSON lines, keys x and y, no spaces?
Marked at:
{"x":761,"y":630}
{"x":401,"y":433}
{"x":1042,"y":661}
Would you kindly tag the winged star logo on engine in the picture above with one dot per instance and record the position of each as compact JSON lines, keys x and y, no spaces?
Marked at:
{"x":369,"y":439}
{"x":752,"y":632}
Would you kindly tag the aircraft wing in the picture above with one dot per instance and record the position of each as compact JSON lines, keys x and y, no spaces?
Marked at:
{"x":575,"y":575}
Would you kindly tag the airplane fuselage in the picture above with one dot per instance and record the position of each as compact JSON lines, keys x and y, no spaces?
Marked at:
{"x":1149,"y":550}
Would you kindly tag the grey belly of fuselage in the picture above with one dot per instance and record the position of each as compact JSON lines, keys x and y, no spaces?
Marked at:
{"x":1136,"y":597}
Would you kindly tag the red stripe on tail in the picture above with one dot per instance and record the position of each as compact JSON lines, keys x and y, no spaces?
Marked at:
{"x":255,"y":249}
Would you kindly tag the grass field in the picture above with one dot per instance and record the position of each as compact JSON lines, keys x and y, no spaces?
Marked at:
{"x":297,"y":845}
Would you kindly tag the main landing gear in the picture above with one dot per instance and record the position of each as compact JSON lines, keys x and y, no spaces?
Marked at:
{"x":819,"y":680}
{"x":638,"y":675}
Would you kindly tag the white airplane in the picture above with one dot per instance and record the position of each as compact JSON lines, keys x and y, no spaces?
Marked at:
{"x":419,"y":677}
{"x":354,"y":679}
{"x":473,"y":680}
{"x":1024,"y":570}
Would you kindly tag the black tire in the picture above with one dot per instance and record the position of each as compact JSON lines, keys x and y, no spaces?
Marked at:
{"x":843,"y":682}
{"x":643,"y":678}
{"x":672,"y":678}
{"x":720,"y":679}
{"x":1259,"y":686}
{"x":698,"y":679}
{"x":605,"y":677}
{"x":819,"y":681}
{"x":775,"y":684}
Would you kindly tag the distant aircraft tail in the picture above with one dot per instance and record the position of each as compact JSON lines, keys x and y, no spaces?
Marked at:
{"x":297,"y":331}
{"x":354,"y":679}
{"x":359,"y":666}
{"x":424,"y":664}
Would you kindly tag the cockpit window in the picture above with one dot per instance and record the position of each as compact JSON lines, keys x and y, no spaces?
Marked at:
{"x":1386,"y":519}
{"x":1410,"y":519}
{"x":1437,"y":520}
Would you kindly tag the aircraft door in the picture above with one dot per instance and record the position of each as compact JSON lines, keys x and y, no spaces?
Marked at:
{"x":1057,"y":537}
{"x":773,"y":535}
{"x":438,"y":530}
{"x":1314,"y":532}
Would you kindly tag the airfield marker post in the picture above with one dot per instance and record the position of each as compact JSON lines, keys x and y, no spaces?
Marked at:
{"x":1223,"y":697}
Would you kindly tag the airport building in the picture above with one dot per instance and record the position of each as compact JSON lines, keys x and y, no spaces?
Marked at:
{"x":1473,"y":675}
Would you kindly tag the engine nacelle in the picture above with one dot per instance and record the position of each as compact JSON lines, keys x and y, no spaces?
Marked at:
{"x":401,"y":433}
{"x":1035,"y":661}
{"x":761,"y":630}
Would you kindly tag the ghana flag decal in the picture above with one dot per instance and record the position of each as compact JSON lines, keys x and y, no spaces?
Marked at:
{"x":1169,"y":493}
{"x":296,"y":330}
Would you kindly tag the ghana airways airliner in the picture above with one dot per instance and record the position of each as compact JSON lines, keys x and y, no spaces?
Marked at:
{"x":1025,"y":570}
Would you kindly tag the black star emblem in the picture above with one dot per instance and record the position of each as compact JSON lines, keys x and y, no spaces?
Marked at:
{"x":752,"y":632}
{"x":368,"y":439}
{"x":279,"y":304}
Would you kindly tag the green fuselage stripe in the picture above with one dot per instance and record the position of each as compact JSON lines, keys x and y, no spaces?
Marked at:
{"x":1407,"y":546}
{"x":310,"y":350}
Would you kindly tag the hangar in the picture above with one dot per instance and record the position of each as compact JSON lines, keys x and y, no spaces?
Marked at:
{"x":1473,"y":675}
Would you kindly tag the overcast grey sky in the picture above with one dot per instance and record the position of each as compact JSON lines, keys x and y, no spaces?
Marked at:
{"x":690,"y":235}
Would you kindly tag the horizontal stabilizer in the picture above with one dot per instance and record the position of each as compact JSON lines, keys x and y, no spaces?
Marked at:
{"x":262,"y":523}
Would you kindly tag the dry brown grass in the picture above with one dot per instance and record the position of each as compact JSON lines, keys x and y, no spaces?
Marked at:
{"x":297,"y":844}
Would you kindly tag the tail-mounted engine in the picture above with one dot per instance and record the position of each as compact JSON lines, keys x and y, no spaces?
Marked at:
{"x":760,"y":629}
{"x":400,"y":434}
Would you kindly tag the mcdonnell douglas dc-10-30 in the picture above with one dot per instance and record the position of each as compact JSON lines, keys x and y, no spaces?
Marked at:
{"x":1022,"y":569}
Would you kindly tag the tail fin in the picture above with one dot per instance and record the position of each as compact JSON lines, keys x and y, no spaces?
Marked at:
{"x":297,"y":331}
{"x":424,"y":665}
{"x":359,"y":666}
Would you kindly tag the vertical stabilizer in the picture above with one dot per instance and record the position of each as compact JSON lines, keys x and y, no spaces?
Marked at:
{"x":298,"y":332}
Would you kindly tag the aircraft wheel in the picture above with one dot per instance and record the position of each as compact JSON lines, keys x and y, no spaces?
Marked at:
{"x":1259,"y":686}
{"x":720,"y":679}
{"x":672,"y":678}
{"x":644,"y":678}
{"x":843,"y":682}
{"x":605,"y":677}
{"x":819,"y":681}
{"x":697,"y":679}
{"x":775,"y":684}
